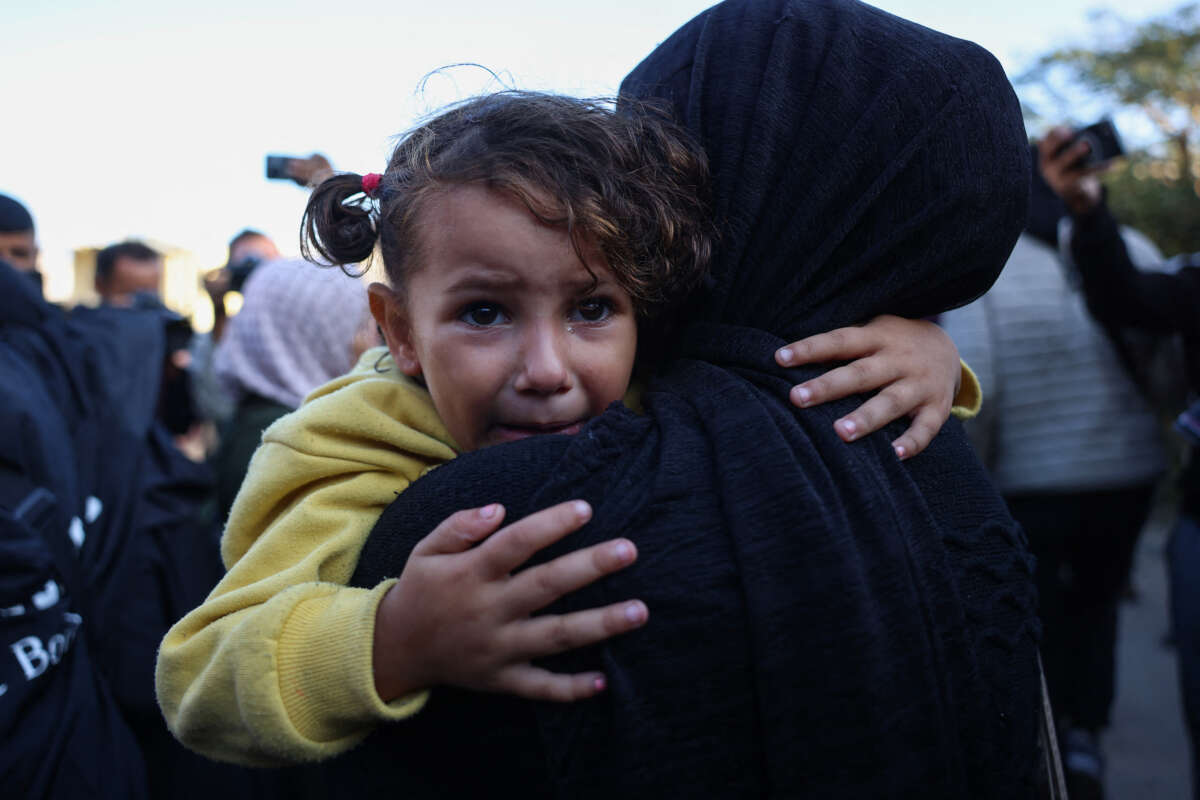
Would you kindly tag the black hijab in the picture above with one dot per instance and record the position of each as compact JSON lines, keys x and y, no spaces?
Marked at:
{"x":826,"y":621}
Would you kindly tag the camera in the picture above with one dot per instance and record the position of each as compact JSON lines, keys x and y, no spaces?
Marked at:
{"x":239,"y":272}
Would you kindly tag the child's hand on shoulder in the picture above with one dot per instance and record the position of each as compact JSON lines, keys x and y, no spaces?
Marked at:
{"x":914,"y":365}
{"x":459,"y":616}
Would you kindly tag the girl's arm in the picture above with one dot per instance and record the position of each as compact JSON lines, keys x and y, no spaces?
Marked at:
{"x":275,"y":666}
{"x":913,"y":364}
{"x":285,"y":663}
{"x":278,"y":664}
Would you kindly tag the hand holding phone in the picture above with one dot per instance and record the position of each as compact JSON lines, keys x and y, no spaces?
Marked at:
{"x":304,"y":171}
{"x":1103,"y":144}
{"x":1063,"y":160}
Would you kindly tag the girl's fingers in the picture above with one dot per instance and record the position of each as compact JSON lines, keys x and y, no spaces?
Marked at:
{"x":842,"y":344}
{"x":525,"y":680}
{"x":863,"y":375}
{"x":461,"y":531}
{"x":892,"y":403}
{"x":556,"y":633}
{"x":538,"y":587}
{"x":516,"y":543}
{"x":924,"y":427}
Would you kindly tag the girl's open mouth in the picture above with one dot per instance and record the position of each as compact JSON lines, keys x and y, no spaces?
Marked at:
{"x":511,"y":432}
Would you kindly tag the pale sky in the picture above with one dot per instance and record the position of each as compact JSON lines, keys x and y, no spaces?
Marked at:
{"x":152,"y":118}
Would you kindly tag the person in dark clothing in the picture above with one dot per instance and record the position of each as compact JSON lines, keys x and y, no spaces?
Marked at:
{"x":1161,"y":302}
{"x":248,"y":249}
{"x":827,"y":621}
{"x":126,"y":269}
{"x":18,"y":240}
{"x":63,"y":731}
{"x":103,"y":544}
{"x":1075,"y":449}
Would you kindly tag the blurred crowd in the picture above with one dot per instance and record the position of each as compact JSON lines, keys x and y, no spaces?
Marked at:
{"x":132,"y":432}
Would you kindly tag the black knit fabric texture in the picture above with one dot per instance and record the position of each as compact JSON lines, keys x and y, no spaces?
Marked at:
{"x":826,"y":621}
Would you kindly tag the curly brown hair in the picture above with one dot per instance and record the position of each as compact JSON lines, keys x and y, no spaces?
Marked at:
{"x":629,"y":181}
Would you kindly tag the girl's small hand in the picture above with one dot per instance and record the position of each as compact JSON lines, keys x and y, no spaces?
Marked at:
{"x":914,"y":365}
{"x":459,"y":616}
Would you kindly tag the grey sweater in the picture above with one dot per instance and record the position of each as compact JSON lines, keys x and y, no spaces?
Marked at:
{"x":1061,"y":414}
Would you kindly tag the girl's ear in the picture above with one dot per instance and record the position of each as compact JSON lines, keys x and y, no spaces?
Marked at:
{"x":391,"y":317}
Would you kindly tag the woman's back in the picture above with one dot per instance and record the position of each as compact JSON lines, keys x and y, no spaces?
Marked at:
{"x":825,"y":620}
{"x":805,"y":637}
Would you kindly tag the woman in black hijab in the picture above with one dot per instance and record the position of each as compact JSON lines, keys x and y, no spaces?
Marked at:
{"x":826,"y":621}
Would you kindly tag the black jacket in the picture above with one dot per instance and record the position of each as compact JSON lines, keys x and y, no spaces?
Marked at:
{"x":1119,"y":294}
{"x":64,"y":459}
{"x":100,"y":513}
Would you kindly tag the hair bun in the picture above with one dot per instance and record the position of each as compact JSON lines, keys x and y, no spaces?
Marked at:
{"x":333,"y":232}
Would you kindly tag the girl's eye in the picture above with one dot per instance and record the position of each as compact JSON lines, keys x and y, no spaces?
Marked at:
{"x":483,"y":315}
{"x":594,"y":309}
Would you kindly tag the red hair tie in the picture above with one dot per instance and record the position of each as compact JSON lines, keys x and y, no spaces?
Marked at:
{"x":370,"y":182}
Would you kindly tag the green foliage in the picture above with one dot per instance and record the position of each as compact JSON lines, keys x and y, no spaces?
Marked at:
{"x":1156,"y":65}
{"x":1142,"y":194}
{"x":1152,"y":68}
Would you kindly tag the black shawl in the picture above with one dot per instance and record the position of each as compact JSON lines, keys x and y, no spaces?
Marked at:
{"x":826,"y":621}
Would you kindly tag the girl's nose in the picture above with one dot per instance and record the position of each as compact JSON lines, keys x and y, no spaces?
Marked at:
{"x":543,"y":368}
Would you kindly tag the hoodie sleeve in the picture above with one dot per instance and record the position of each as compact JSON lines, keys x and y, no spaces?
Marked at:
{"x":275,"y":666}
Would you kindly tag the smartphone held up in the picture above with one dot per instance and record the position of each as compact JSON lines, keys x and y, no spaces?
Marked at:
{"x":302,"y":170}
{"x":278,"y":167}
{"x":1104,"y":144}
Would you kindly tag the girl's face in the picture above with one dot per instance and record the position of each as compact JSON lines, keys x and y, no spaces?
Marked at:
{"x":503,"y":322}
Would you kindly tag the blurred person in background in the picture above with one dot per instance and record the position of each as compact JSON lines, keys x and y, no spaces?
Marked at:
{"x":299,"y":327}
{"x":102,"y":543}
{"x":107,"y":536}
{"x":129,"y":276}
{"x":1075,"y":449}
{"x":126,"y":269}
{"x":1119,"y":293}
{"x":65,"y":527}
{"x":18,"y":239}
{"x":247,"y":249}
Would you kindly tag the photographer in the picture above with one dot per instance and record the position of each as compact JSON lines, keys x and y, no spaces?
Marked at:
{"x":300,"y":327}
{"x":247,"y":250}
{"x":1076,"y":451}
{"x":1120,"y":294}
